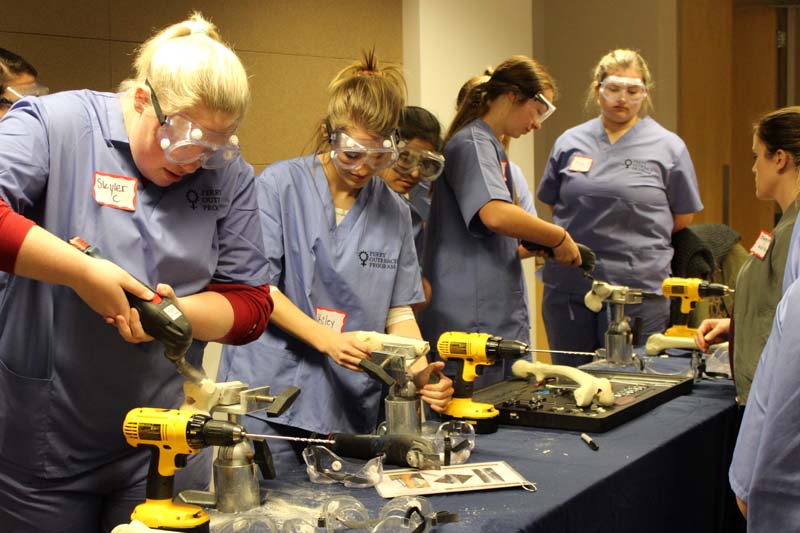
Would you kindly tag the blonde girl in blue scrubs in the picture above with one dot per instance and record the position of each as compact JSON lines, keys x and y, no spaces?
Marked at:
{"x":153,"y":177}
{"x":621,"y":184}
{"x":341,"y":259}
{"x":472,"y":254}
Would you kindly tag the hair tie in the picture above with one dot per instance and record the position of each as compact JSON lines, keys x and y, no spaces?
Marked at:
{"x":196,"y":27}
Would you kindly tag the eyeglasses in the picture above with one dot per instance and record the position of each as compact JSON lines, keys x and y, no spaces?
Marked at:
{"x":18,"y":92}
{"x":348,"y":153}
{"x":617,"y":88}
{"x":185,"y":142}
{"x":428,"y":164}
{"x":550,"y":108}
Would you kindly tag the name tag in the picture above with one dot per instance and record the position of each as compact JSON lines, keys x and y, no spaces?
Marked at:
{"x":580,"y":163}
{"x":114,"y":191}
{"x":331,"y":319}
{"x":762,"y":244}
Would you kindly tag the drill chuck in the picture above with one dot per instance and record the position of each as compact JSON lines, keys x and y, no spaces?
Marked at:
{"x":500,"y":348}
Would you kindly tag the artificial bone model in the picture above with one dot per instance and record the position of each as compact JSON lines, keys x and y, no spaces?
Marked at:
{"x":589,"y":386}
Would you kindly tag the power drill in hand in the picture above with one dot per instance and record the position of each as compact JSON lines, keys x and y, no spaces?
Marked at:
{"x":473,"y":351}
{"x":172,"y":435}
{"x":161,"y":319}
{"x":588,"y":257}
{"x":690,"y":291}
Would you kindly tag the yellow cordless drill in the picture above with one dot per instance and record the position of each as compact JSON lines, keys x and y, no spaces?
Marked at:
{"x":690,"y":291}
{"x":172,"y":434}
{"x":474,"y":351}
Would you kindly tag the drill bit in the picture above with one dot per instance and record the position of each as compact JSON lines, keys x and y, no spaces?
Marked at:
{"x":566,"y":352}
{"x":254,"y":436}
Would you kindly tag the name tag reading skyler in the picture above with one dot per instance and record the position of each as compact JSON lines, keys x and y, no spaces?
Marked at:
{"x":115,"y":191}
{"x":580,"y":163}
{"x":331,"y":319}
{"x":762,"y":244}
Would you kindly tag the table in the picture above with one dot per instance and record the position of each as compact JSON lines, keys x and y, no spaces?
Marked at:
{"x":664,"y":471}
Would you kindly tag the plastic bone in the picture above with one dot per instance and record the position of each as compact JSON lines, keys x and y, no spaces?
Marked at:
{"x":589,"y":386}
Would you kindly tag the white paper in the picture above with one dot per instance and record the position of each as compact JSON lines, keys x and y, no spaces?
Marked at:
{"x":458,"y":478}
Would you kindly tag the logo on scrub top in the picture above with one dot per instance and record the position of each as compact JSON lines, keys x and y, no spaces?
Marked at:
{"x":376,"y":260}
{"x":205,"y":199}
{"x":639,"y":165}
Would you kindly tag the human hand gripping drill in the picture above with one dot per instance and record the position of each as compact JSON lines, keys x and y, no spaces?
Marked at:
{"x":161,"y":319}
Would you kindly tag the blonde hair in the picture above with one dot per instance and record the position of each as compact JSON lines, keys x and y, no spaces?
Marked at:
{"x":365,"y":95}
{"x":520,"y":75}
{"x":621,"y":58}
{"x":187,"y":64}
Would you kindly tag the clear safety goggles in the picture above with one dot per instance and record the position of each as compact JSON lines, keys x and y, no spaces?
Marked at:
{"x":404,"y":514}
{"x":348,"y":154}
{"x":550,"y":108}
{"x":18,"y":92}
{"x":428,"y":164}
{"x":325,"y":467}
{"x":617,"y":88}
{"x":185,"y":142}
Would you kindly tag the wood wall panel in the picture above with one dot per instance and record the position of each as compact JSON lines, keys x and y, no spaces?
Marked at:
{"x":704,"y":112}
{"x":87,"y":19}
{"x":291,"y":49}
{"x":754,"y":93}
{"x":63,"y":62}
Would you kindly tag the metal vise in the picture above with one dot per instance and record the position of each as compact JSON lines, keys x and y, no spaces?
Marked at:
{"x":619,"y":337}
{"x":235,"y":480}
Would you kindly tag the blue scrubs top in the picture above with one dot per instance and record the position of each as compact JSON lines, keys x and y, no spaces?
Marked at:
{"x":792,"y":271}
{"x":362,"y":268}
{"x":765,"y":472}
{"x":418,"y":201}
{"x":623,"y":206}
{"x":476,"y":275}
{"x":67,"y":379}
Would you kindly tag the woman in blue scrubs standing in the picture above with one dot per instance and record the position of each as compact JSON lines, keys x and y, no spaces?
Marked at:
{"x":153,"y":178}
{"x":621,"y":184}
{"x":341,"y":259}
{"x":472,"y":254}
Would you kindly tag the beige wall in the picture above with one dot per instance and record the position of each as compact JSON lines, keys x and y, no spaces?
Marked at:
{"x":291,"y":49}
{"x":445,"y":42}
{"x":570,"y":37}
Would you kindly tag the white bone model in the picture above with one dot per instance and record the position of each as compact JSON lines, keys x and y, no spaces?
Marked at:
{"x":589,"y":386}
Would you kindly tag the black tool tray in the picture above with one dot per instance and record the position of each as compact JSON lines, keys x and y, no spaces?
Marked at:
{"x":523,"y":402}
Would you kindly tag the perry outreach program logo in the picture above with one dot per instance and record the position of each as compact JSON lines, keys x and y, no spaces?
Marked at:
{"x":205,"y":199}
{"x":639,"y":165}
{"x":376,"y":260}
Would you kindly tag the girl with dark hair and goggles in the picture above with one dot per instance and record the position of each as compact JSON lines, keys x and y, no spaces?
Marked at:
{"x":429,"y":164}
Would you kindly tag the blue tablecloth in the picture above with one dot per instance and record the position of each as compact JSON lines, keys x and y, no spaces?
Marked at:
{"x":664,"y":471}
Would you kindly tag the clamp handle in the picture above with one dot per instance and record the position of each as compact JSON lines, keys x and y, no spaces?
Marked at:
{"x":282,"y":401}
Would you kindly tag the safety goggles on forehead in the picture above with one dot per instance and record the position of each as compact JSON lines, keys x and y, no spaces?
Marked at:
{"x":18,"y":92}
{"x":615,"y":88}
{"x":348,"y":153}
{"x":185,"y":142}
{"x":428,"y":164}
{"x":550,"y":108}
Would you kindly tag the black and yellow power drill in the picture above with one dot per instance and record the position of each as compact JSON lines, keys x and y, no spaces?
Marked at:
{"x":161,"y":319}
{"x":473,"y":351}
{"x":690,"y":291}
{"x":172,"y":435}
